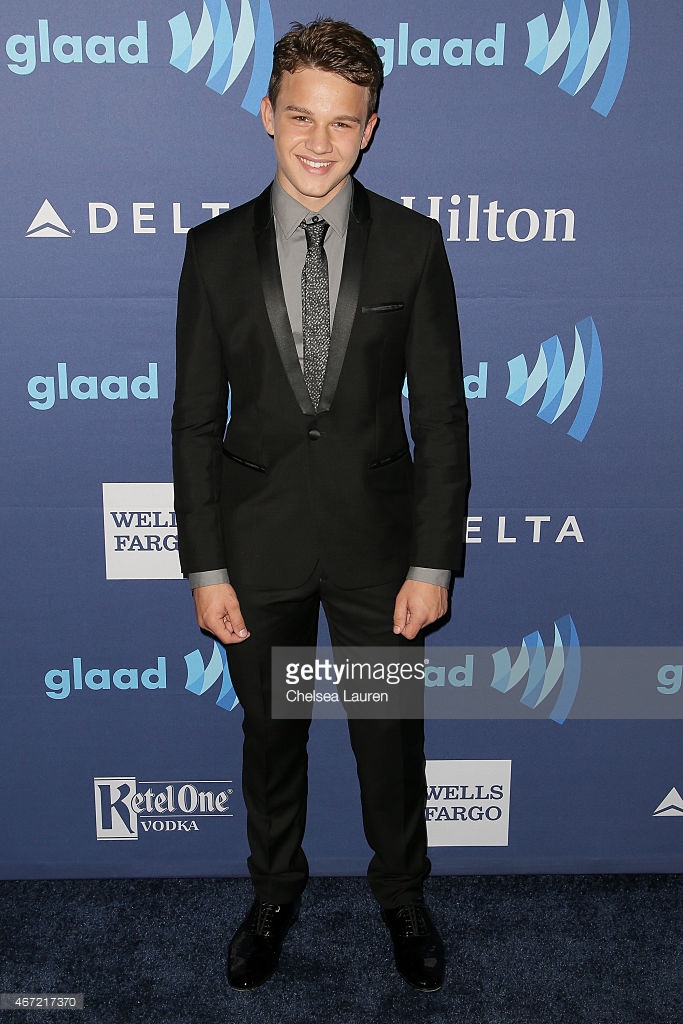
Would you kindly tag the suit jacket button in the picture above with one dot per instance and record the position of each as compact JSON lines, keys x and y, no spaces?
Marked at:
{"x":314,"y":433}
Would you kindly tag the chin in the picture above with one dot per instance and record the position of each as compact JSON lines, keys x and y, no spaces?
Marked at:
{"x":318,"y":190}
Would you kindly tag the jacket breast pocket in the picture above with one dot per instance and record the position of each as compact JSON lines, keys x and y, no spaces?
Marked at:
{"x":385,"y":307}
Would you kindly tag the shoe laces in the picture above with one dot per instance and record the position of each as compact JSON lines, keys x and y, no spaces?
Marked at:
{"x":265,"y":918}
{"x":413,"y":920}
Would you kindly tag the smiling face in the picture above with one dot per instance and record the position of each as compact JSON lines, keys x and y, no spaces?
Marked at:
{"x":319,"y":125}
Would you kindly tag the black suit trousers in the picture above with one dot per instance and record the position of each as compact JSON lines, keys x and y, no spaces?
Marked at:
{"x":389,"y":753}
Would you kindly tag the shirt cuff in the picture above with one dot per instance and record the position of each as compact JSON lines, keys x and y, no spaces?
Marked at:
{"x":439,"y":577}
{"x":208,"y":578}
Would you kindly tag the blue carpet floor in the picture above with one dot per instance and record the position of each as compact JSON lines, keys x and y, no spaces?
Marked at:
{"x":522,"y":950}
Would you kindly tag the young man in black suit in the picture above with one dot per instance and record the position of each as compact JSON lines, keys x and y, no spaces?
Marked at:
{"x":310,"y":304}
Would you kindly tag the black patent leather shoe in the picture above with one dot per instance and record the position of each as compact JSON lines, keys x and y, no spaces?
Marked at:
{"x":255,"y":947}
{"x":418,"y":949}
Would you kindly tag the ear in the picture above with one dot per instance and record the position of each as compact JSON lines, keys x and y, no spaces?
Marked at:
{"x":368,"y":130}
{"x":268,"y":115}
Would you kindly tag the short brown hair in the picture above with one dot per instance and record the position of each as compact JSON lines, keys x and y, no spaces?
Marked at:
{"x":333,"y":46}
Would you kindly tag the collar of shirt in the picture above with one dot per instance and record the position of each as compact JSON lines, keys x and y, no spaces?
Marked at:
{"x":289,"y":212}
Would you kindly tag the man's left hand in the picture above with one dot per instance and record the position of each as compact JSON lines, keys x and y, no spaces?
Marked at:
{"x":418,"y":605}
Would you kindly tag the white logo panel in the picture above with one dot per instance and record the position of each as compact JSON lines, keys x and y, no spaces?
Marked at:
{"x":468,"y":803}
{"x":140,"y":535}
{"x":114,"y":814}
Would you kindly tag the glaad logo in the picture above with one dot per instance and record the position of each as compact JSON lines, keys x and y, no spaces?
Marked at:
{"x":671,"y":806}
{"x":456,"y":52}
{"x":561,"y":385}
{"x":542,"y":678}
{"x":201,"y":678}
{"x":121,"y":809}
{"x":43,"y":391}
{"x":59,"y":682}
{"x":612,"y":32}
{"x":230,"y":51}
{"x":670,"y":678}
{"x":25,"y":52}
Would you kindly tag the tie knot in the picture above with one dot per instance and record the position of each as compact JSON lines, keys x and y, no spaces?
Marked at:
{"x":315,"y":231}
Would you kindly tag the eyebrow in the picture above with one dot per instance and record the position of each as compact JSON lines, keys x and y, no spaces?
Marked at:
{"x":339,"y":117}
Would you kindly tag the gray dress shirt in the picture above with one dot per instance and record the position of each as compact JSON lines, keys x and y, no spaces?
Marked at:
{"x":291,"y":250}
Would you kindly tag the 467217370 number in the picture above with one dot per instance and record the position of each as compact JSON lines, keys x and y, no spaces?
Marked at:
{"x":41,"y":1001}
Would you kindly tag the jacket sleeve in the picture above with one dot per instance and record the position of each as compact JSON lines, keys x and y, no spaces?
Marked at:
{"x":198,"y":423}
{"x":438,"y":415}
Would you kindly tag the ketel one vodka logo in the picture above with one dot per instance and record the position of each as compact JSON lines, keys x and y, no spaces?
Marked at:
{"x":125,"y":807}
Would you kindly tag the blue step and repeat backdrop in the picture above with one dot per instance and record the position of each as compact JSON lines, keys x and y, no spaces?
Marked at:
{"x":543,"y":137}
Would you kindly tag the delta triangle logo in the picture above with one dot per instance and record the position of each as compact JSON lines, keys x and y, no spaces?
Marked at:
{"x":671,"y":806}
{"x":47,"y":224}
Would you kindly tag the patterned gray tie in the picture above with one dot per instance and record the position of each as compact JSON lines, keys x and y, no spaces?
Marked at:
{"x":315,"y":308}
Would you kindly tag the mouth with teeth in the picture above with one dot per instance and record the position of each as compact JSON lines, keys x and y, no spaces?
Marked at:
{"x":316,"y":165}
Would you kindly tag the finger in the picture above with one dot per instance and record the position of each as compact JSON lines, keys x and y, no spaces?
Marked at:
{"x":412,"y":628}
{"x":400,"y":614}
{"x":220,"y":626}
{"x":235,"y":638}
{"x":235,"y":620}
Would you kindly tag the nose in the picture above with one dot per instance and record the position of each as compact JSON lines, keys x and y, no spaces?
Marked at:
{"x":318,"y":140}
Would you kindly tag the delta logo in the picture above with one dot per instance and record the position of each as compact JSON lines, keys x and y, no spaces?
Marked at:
{"x":104,"y":218}
{"x":48,"y":224}
{"x":671,"y":806}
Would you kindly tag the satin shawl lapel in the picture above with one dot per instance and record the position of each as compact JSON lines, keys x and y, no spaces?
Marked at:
{"x":347,"y":300}
{"x":271,"y":281}
{"x":349,"y":289}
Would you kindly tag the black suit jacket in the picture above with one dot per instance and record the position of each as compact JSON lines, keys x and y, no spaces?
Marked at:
{"x":285,"y":487}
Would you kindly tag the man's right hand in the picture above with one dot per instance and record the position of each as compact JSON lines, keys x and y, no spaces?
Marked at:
{"x":218,"y":612}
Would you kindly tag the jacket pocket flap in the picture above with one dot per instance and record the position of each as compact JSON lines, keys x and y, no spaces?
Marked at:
{"x":244,"y":462}
{"x":388,"y":459}
{"x":386,"y":307}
